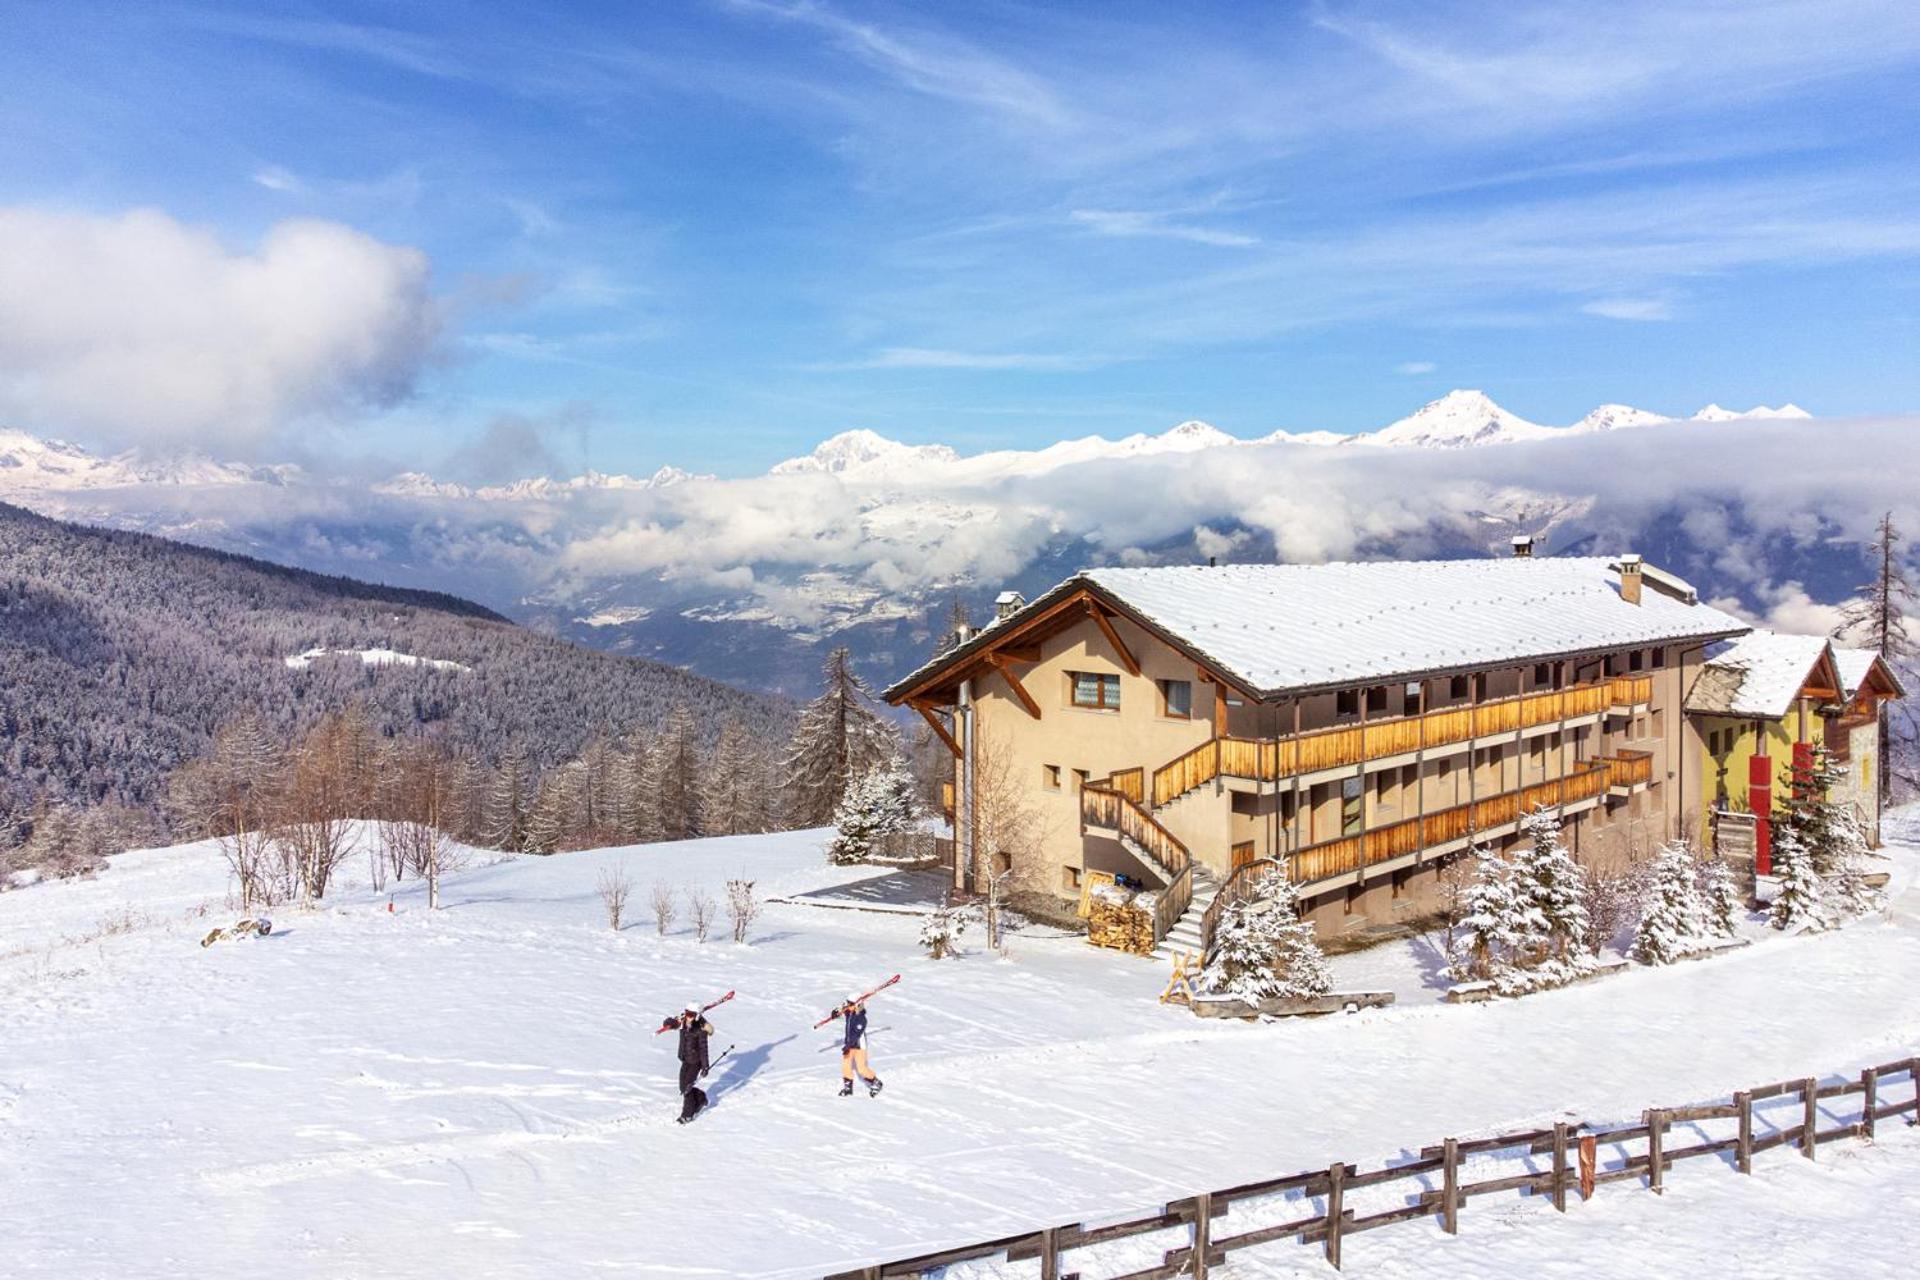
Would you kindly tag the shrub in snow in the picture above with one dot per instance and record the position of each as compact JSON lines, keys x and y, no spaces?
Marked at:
{"x":1847,"y":891}
{"x":1673,"y":915}
{"x":743,"y":907}
{"x":614,"y":888}
{"x":1801,"y":899}
{"x":941,"y":931}
{"x":701,"y":906}
{"x":877,"y":805}
{"x":1263,"y":950}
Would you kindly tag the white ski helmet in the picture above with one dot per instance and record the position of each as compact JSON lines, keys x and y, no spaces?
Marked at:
{"x":692,"y":1008}
{"x":853,"y":999}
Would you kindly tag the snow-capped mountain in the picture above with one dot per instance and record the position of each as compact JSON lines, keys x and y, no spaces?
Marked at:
{"x":28,"y":462}
{"x":1714,"y":413}
{"x":1616,"y":417}
{"x":1458,"y":420}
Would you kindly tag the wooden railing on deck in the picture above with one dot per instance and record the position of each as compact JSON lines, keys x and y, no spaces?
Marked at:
{"x":1263,"y":760}
{"x":1630,"y":691}
{"x":1172,"y":904}
{"x":1109,"y":809}
{"x":1631,"y":768}
{"x":1345,"y":854}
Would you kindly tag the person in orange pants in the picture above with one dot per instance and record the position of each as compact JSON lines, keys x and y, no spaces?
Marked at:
{"x":853,"y":1048}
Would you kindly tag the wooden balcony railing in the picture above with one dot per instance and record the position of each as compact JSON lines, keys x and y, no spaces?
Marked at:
{"x":1630,"y":768}
{"x":1172,"y":904}
{"x":1345,"y":854}
{"x":1263,"y":760}
{"x":1631,"y":691}
{"x":1110,"y":810}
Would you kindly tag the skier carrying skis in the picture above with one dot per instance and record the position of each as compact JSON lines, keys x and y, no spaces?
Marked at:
{"x":694,"y":1033}
{"x":853,"y":1047}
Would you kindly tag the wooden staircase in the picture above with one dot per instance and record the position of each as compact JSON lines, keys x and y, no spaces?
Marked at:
{"x":1185,"y":935}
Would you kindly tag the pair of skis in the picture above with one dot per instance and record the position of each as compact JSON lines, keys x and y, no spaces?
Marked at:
{"x":857,"y":1000}
{"x":669,"y":1025}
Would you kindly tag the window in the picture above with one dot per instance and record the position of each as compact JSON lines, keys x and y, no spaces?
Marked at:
{"x":1376,"y":699}
{"x":1542,"y":674}
{"x":1460,"y":687}
{"x":1636,"y":660}
{"x":1176,"y":699}
{"x":1102,"y":693}
{"x":1346,"y":702}
{"x":1080,"y":778}
{"x":1050,"y":776}
{"x":1659,"y":659}
{"x":1070,"y":878}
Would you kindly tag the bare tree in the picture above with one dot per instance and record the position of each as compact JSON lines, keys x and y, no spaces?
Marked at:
{"x":743,"y":908}
{"x":614,"y":887}
{"x":325,"y":790}
{"x":701,"y":906}
{"x":231,"y":795}
{"x":663,"y":906}
{"x":1007,"y":828}
{"x":1877,"y":618}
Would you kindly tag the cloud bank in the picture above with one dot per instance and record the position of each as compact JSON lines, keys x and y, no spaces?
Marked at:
{"x":140,"y":329}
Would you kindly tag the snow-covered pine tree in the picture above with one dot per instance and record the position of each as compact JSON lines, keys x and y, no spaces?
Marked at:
{"x":879,"y":804}
{"x":1672,"y":917}
{"x":1719,"y":896}
{"x":941,"y":931}
{"x":1262,"y":949}
{"x":1486,"y":937}
{"x":838,"y":738}
{"x":1547,"y":879}
{"x":1846,"y":890}
{"x":1801,"y":899}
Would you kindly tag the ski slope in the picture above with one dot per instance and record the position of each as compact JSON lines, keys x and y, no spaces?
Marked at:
{"x":477,"y":1091}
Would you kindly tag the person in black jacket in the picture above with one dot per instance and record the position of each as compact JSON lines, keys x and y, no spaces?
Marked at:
{"x":695,"y":1033}
{"x":853,"y":1047}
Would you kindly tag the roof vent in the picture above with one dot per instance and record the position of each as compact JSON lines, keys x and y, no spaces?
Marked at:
{"x":1006,"y":604}
{"x":1630,"y":566}
{"x":1523,"y":546}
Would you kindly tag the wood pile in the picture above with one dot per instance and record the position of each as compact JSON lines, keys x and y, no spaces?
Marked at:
{"x":1120,"y":919}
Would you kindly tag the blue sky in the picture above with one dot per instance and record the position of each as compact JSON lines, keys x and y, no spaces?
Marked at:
{"x":713,"y":233}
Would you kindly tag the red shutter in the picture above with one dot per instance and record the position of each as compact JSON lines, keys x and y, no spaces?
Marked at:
{"x":1760,"y":801}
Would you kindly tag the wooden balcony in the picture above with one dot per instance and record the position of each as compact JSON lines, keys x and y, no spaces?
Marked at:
{"x":1352,"y":854}
{"x":1630,"y":692}
{"x":1263,"y":760}
{"x":1631,"y":771}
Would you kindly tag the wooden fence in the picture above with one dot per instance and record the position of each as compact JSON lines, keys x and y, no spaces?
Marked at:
{"x":1567,"y":1159}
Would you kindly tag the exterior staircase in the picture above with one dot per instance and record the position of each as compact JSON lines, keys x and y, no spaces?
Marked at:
{"x":1185,"y":934}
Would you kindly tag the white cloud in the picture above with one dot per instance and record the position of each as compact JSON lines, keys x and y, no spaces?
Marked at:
{"x":1631,"y":308}
{"x":141,"y":329}
{"x":1121,"y":222}
{"x":1787,"y":607}
{"x":274,"y":178}
{"x":1413,"y":367}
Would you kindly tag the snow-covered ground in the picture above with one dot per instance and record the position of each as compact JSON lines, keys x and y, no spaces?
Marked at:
{"x":477,"y":1091}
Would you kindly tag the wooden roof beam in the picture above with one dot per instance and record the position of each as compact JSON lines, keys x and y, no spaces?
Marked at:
{"x":940,"y":730}
{"x":1004,"y":665}
{"x":1120,"y":649}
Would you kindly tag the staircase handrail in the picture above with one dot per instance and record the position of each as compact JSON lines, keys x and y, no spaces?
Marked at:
{"x":1104,"y":806}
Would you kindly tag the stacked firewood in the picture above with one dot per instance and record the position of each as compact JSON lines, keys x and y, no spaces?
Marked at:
{"x":1120,"y":919}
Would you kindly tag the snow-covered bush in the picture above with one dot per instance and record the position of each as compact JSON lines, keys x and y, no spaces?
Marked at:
{"x":1262,"y":949}
{"x":1674,"y":915}
{"x":877,"y":805}
{"x":942,"y":929}
{"x":701,"y":907}
{"x":614,"y":887}
{"x":665,"y":903}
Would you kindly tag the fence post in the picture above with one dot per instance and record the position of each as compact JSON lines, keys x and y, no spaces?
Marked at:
{"x":1450,"y":1187}
{"x":1589,"y":1164}
{"x":1810,"y":1126}
{"x":1202,"y":1233}
{"x":1336,"y":1194}
{"x":1656,"y":1126}
{"x":1913,"y":1074}
{"x":1560,"y":1165}
{"x":1869,"y":1091}
{"x":1743,"y":1152}
{"x":1050,"y":1254}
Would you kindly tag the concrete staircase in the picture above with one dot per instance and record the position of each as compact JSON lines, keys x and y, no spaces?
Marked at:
{"x":1185,"y":935}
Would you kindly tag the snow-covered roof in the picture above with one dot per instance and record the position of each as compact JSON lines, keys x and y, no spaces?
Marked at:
{"x":1760,"y":674}
{"x":1280,"y":627}
{"x":1854,"y":666}
{"x":1273,"y":629}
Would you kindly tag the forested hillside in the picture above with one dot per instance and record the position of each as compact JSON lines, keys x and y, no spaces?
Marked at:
{"x":121,"y":654}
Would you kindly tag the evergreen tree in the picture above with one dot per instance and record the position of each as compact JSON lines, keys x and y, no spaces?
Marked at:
{"x":1487,"y":936}
{"x":1673,"y":915}
{"x":1262,"y":949}
{"x":679,"y":771}
{"x":1876,"y":619}
{"x":1549,"y":882}
{"x":1801,"y":899}
{"x":1720,"y":896}
{"x":839,"y":737}
{"x":878,"y":805}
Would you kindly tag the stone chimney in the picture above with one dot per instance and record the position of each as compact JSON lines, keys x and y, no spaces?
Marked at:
{"x":1523,"y":546}
{"x":1630,"y":579}
{"x":1006,"y":604}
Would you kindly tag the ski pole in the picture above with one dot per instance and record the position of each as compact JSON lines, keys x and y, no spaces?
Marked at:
{"x":717,"y":1061}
